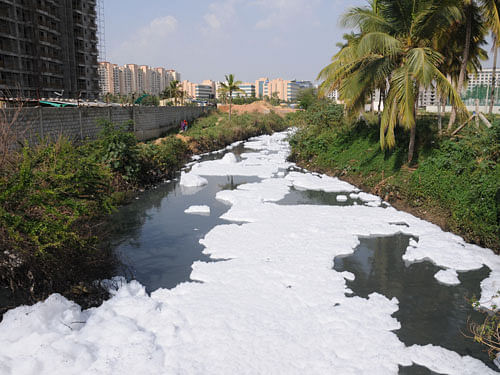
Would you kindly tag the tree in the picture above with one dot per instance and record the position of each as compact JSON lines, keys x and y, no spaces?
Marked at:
{"x":394,"y":51}
{"x":229,"y":87}
{"x":307,"y":97}
{"x":491,"y":11}
{"x":484,"y":12}
{"x":174,"y":91}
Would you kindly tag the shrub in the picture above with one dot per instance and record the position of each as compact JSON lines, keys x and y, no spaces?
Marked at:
{"x":117,"y":148}
{"x":46,"y":204}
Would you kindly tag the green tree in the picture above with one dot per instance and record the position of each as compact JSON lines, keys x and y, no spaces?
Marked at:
{"x":229,"y":87}
{"x":174,"y":91}
{"x":484,"y":12}
{"x":307,"y":97}
{"x":393,"y":50}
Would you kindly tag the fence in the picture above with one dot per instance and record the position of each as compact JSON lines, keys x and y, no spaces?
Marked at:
{"x":81,"y":123}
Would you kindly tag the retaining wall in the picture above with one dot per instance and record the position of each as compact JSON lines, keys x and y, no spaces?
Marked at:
{"x":81,"y":123}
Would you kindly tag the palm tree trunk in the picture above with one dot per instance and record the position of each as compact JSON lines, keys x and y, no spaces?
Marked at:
{"x":411,"y":146}
{"x":230,"y":104}
{"x":463,"y":67}
{"x":413,"y":132}
{"x":494,"y":76}
{"x":440,"y":116}
{"x":381,"y":99}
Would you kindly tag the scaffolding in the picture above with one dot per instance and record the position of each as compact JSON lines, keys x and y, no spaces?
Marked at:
{"x":101,"y":31}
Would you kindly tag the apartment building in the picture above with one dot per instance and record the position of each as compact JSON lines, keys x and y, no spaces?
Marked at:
{"x":48,"y":46}
{"x":133,"y":78}
{"x":109,"y":78}
{"x":428,"y":97}
{"x":483,"y":78}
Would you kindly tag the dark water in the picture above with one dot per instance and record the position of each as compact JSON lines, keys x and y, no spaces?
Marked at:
{"x":429,"y":312}
{"x":156,"y":241}
{"x":159,"y":243}
{"x":295,"y":197}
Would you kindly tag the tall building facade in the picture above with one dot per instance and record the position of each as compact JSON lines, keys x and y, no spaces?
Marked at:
{"x":483,"y":78}
{"x":285,"y":90}
{"x":134,"y":79}
{"x":48,"y":48}
{"x":259,"y":87}
{"x":199,"y":91}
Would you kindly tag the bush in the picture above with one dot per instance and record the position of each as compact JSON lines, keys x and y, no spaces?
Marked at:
{"x":46,"y":205}
{"x":160,"y":160}
{"x":117,"y":148}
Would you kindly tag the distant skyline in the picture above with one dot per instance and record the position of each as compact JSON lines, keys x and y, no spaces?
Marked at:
{"x":292,"y":39}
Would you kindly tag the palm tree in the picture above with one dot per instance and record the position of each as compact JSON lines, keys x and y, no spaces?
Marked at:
{"x":229,"y":87}
{"x":486,"y":13}
{"x":491,"y":11}
{"x":174,"y":90}
{"x":392,"y":51}
{"x":450,"y":44}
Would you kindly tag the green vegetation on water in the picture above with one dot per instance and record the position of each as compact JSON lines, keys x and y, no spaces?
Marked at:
{"x":54,"y":197}
{"x":454,"y":182}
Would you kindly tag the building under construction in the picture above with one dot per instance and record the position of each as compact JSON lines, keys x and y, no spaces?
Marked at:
{"x":48,"y":48}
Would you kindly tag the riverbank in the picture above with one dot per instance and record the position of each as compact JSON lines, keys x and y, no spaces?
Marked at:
{"x":454,"y":183}
{"x":54,"y":197}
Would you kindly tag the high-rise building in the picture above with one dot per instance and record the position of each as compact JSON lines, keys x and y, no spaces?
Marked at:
{"x":134,"y":79}
{"x":109,"y":78}
{"x":285,"y":90}
{"x":48,"y":47}
{"x":259,"y":87}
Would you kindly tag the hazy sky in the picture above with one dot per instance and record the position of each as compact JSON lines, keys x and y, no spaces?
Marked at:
{"x":205,"y":39}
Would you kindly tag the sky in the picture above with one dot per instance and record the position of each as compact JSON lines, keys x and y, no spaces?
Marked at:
{"x":205,"y":39}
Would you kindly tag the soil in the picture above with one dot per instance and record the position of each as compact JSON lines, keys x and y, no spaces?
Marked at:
{"x":260,"y":106}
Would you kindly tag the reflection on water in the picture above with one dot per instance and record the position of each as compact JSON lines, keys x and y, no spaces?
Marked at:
{"x":416,"y":370}
{"x":296,"y":196}
{"x":157,"y":241}
{"x":429,"y":312}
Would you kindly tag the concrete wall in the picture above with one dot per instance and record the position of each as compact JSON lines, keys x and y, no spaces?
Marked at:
{"x":81,"y":123}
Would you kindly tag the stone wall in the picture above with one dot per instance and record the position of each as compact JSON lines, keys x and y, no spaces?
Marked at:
{"x":79,"y":124}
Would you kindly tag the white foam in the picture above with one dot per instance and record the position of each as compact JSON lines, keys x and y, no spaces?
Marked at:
{"x":229,"y":158}
{"x":198,"y":210}
{"x":448,"y":277}
{"x":275,"y":306}
{"x":341,"y":198}
{"x":308,"y":181}
{"x":192,"y":180}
